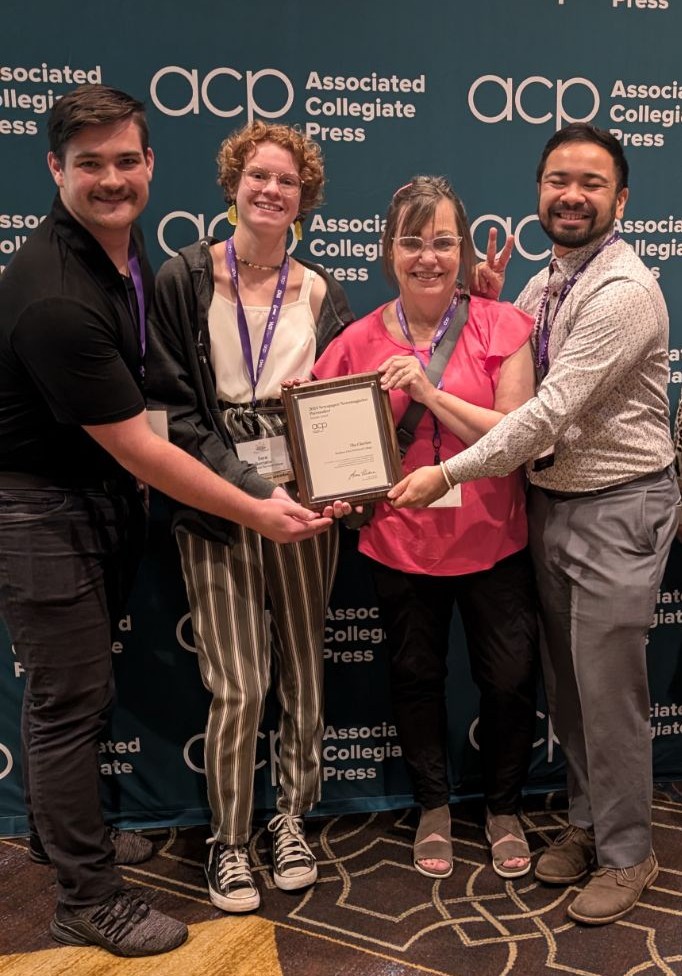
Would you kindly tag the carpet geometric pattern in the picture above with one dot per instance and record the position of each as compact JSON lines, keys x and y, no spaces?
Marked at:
{"x":371,"y":913}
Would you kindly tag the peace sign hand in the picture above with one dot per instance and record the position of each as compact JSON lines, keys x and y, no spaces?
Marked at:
{"x":488,"y":276}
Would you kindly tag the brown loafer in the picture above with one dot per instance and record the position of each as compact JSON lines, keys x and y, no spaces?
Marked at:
{"x":613,"y":892}
{"x":569,"y":858}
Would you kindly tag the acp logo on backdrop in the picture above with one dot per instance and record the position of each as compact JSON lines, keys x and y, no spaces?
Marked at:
{"x":173,"y":234}
{"x":193,"y":753}
{"x":223,"y":91}
{"x":549,"y":740}
{"x":535,"y":100}
{"x":6,"y":761}
{"x":529,"y":240}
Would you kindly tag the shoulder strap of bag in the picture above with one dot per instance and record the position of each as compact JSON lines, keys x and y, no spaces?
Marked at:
{"x":408,"y":422}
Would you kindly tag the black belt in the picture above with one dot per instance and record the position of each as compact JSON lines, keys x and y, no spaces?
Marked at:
{"x":27,"y":479}
{"x":633,"y":483}
{"x":260,"y":406}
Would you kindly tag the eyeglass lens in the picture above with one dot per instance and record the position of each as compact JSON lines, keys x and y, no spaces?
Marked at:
{"x":259,"y":178}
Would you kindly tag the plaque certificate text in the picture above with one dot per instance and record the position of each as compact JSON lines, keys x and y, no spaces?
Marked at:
{"x":343,"y":440}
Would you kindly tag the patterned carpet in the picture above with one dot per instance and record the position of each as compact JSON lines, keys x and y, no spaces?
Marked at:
{"x":370,"y":914}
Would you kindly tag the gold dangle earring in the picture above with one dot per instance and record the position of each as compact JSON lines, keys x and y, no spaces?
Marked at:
{"x":232,"y":215}
{"x":298,"y":230}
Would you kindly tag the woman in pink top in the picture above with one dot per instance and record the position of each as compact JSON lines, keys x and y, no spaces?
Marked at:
{"x":471,"y":549}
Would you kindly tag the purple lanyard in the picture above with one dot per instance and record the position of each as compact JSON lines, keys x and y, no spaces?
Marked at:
{"x":440,"y":331}
{"x":136,"y":275}
{"x":273,"y":317}
{"x":543,"y":323}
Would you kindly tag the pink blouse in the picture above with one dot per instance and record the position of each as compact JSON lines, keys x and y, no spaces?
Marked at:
{"x":491,"y":522}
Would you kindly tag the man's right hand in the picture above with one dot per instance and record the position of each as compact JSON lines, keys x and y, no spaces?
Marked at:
{"x":164,"y":466}
{"x":488,"y":275}
{"x":283,"y":520}
{"x":419,"y":488}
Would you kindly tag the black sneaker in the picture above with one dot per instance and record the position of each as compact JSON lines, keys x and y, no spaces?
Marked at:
{"x":293,"y":861}
{"x":129,"y":847}
{"x":230,"y":882}
{"x":123,"y":924}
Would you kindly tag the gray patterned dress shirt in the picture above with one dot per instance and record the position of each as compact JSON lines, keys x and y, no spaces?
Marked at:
{"x":603,"y":403}
{"x":677,"y":437}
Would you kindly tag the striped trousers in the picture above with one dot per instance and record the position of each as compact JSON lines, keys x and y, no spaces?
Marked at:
{"x":227,"y":588}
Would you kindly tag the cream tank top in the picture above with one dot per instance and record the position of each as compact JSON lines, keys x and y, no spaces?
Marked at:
{"x":292,"y":351}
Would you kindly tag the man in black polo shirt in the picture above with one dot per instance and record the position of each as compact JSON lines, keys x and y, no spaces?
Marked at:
{"x":74,"y":440}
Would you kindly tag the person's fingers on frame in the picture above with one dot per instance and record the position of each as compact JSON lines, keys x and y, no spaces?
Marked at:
{"x":397,"y":490}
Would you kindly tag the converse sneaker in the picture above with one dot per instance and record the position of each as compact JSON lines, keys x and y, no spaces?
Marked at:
{"x":294,"y":862}
{"x":129,"y":847}
{"x":123,"y":924}
{"x":230,"y":882}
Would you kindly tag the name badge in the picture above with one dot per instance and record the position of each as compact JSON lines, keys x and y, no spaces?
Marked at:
{"x":158,"y":421}
{"x":451,"y":499}
{"x":270,"y":455}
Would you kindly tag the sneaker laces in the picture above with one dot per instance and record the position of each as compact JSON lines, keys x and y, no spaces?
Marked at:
{"x":233,"y":868}
{"x":120,"y":913}
{"x":290,"y":846}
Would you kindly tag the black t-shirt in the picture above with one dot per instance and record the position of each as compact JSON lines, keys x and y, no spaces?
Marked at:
{"x":69,"y":353}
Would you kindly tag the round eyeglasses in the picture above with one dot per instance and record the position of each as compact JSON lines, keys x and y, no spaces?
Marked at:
{"x":257,"y":179}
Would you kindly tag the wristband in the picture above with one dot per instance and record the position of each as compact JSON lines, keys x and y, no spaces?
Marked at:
{"x":446,"y":476}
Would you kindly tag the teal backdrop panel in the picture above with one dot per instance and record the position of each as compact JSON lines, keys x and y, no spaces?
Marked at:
{"x":471,"y":90}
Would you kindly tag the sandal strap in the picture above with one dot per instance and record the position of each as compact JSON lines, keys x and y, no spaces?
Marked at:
{"x":505,"y":850}
{"x":435,"y":821}
{"x":498,"y":829}
{"x":501,"y":824}
{"x":437,"y":850}
{"x":426,"y":845}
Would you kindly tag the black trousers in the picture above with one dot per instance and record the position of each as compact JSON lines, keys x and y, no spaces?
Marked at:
{"x":67,"y":560}
{"x":499,"y":612}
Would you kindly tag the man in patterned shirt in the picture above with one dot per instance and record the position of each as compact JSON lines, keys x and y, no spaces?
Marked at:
{"x":677,"y":440}
{"x":601,"y":510}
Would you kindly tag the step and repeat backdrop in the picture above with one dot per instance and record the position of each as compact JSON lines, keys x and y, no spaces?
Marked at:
{"x":471,"y":89}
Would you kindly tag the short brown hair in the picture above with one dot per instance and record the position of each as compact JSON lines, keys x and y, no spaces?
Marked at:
{"x":92,"y":105}
{"x":240,"y":144}
{"x":412,"y":206}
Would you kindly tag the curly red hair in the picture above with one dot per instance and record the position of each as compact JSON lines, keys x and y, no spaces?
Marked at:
{"x":239,"y":145}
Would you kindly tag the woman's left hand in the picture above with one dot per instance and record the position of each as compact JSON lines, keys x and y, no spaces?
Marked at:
{"x":294,"y":381}
{"x":419,"y":488}
{"x":337,"y":510}
{"x":405,"y":373}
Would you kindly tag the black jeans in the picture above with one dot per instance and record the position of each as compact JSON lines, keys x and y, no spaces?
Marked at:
{"x":499,"y":612}
{"x":67,"y":560}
